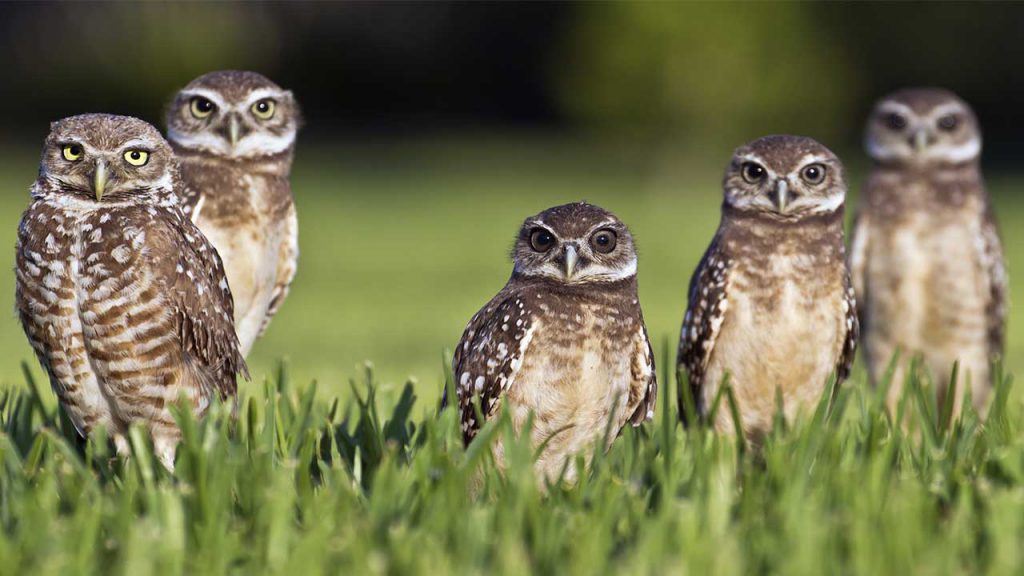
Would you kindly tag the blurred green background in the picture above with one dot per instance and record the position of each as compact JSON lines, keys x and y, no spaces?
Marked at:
{"x":433,"y":129}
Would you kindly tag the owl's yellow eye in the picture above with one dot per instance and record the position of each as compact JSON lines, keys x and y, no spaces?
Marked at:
{"x":264,"y":109}
{"x":136,"y":157}
{"x":201,"y":107}
{"x":73,"y":152}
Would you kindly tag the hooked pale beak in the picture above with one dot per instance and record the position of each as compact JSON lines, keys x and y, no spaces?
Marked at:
{"x":782,"y":194}
{"x":233,"y":130}
{"x":99,"y":180}
{"x":920,"y":140}
{"x":571,"y":257}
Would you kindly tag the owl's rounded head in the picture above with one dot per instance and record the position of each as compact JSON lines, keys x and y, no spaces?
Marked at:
{"x":786,"y":177}
{"x":108,"y":158}
{"x":921,"y":127}
{"x":576,"y":243}
{"x":233,"y":114}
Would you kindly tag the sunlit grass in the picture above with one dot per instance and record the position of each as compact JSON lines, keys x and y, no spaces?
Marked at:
{"x":298,"y":484}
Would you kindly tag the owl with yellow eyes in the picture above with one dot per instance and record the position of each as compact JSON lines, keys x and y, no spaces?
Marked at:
{"x":122,"y":298}
{"x":234,"y":135}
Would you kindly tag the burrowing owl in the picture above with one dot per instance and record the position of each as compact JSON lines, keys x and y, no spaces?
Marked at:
{"x":770,"y":305}
{"x":565,"y":339}
{"x":926,"y":256}
{"x":123,"y":299}
{"x":234,"y":134}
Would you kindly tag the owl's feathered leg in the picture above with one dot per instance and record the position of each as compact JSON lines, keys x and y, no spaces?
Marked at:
{"x":124,"y":450}
{"x":165,"y":445}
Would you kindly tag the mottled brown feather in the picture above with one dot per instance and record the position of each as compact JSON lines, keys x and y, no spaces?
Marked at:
{"x":705,"y":313}
{"x":995,"y":267}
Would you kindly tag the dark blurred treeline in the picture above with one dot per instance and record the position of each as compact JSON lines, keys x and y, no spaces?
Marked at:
{"x":698,"y":73}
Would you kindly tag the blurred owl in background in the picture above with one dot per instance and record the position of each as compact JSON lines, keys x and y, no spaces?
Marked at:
{"x":770,"y":307}
{"x":926,"y":255}
{"x":122,"y":298}
{"x":234,"y":135}
{"x":564,"y":340}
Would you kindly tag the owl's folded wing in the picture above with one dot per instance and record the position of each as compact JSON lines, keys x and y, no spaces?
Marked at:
{"x":994,"y":265}
{"x":488,"y":358}
{"x":645,"y":379}
{"x":849,"y":350}
{"x":197,"y":290}
{"x":703,"y":321}
{"x":858,"y":260}
{"x":287,"y":263}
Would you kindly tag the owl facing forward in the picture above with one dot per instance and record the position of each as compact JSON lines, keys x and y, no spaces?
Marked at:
{"x":564,"y":340}
{"x":122,"y":298}
{"x":234,"y":135}
{"x":770,"y":304}
{"x":926,"y":256}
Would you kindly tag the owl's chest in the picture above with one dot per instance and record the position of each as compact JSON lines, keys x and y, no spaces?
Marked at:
{"x":926,"y":272}
{"x":86,"y":260}
{"x":243,"y":215}
{"x":234,"y":198}
{"x":577,"y":374}
{"x":107,"y":249}
{"x":922,"y":243}
{"x":783,"y":328}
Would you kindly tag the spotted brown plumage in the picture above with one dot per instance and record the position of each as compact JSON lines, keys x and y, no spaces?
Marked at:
{"x":122,"y":298}
{"x":564,"y":340}
{"x":926,"y":255}
{"x":234,"y":135}
{"x":702,"y":321}
{"x":993,"y":266}
{"x":770,"y":304}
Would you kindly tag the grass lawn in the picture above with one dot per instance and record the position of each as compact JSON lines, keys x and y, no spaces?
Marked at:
{"x":401,"y":244}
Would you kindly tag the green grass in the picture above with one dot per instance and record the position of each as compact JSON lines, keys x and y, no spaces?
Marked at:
{"x":401,"y":244}
{"x":300,"y":486}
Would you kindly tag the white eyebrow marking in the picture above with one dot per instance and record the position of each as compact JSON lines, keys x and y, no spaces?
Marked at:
{"x":604,"y":224}
{"x":751,"y":158}
{"x":135,"y":143}
{"x":538,"y":224}
{"x":943,"y":109}
{"x":208,"y":94}
{"x":261,"y":93}
{"x":812,"y":158}
{"x":893,"y":106}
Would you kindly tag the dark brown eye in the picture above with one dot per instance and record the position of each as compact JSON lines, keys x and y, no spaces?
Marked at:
{"x":813,"y":174}
{"x":895,"y":121}
{"x":201,"y":107}
{"x":949,"y":122}
{"x":604,"y":241}
{"x":753,"y":172}
{"x":541,"y":240}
